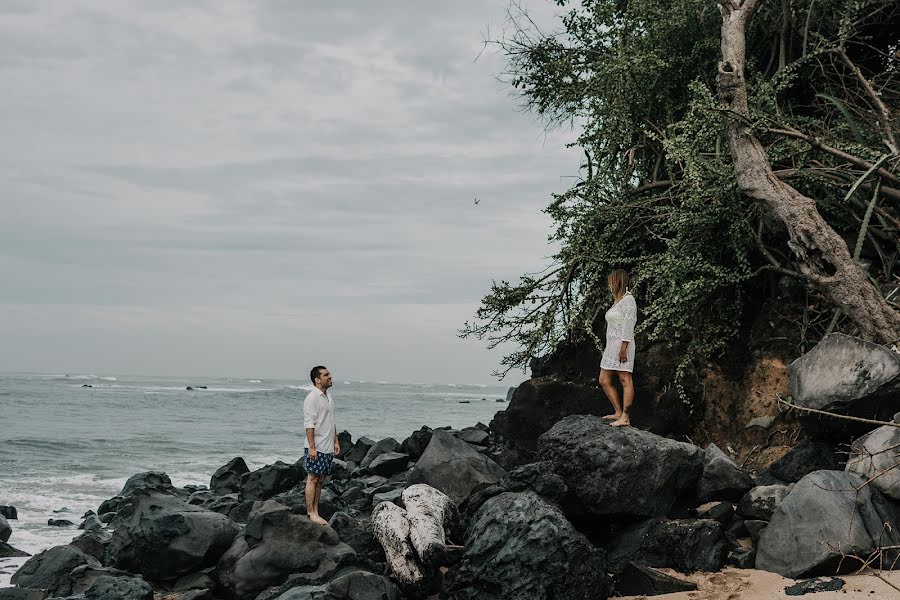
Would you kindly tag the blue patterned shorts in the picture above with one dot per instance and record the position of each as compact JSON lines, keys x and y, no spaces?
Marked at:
{"x":320,"y":466}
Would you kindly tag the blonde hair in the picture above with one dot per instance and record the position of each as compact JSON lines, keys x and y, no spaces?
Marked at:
{"x":618,"y":282}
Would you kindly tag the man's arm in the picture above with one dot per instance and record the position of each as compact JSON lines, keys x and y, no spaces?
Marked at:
{"x":337,"y":444}
{"x":309,"y":423}
{"x":311,"y":438}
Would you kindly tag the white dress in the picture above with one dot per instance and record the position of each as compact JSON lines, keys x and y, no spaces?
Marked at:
{"x":620,"y":321}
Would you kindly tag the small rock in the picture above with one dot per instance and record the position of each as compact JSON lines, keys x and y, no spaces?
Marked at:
{"x":811,"y":586}
{"x":761,"y":501}
{"x":755,"y":527}
{"x":762,"y":422}
{"x":389,"y":463}
{"x":390,"y":496}
{"x":717,"y":511}
{"x":91,"y":522}
{"x":638,"y":580}
{"x":9,"y":512}
{"x":471,"y":435}
{"x":743,"y":558}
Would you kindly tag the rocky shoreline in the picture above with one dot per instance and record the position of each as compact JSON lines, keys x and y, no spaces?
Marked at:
{"x":548,"y":501}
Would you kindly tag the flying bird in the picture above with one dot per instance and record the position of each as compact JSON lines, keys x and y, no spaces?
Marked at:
{"x":477,"y":200}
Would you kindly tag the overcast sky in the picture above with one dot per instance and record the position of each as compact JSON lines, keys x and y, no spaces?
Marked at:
{"x":251,"y":187}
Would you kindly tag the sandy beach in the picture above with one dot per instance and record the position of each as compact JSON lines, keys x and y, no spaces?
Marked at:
{"x":750,"y":584}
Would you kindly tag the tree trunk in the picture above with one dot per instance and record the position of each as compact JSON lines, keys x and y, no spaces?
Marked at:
{"x":821,"y":255}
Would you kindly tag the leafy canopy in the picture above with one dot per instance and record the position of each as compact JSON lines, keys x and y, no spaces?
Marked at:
{"x":656,"y":192}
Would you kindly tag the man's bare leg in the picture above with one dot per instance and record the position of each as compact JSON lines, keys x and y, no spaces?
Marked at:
{"x":628,"y":397}
{"x":609,"y":388}
{"x":312,"y":499}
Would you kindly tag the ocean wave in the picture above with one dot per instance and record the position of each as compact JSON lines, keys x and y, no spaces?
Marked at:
{"x":254,"y":381}
{"x":57,"y":445}
{"x":84,"y":377}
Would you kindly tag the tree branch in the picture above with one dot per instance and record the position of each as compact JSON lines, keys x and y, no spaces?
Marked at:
{"x":817,"y":143}
{"x":884,"y":113}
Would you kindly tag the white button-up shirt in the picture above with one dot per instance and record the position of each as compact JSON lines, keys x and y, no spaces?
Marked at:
{"x":318,"y":413}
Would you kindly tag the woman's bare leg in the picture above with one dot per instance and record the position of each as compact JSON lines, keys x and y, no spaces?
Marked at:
{"x":609,"y":388}
{"x":628,"y":397}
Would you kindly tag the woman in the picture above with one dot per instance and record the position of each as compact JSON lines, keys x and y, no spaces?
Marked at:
{"x":618,"y":357}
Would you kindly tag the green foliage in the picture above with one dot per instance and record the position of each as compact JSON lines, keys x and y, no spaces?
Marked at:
{"x":656,"y":194}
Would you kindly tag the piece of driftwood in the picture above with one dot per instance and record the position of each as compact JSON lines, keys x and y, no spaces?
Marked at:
{"x":391,"y":528}
{"x":430,"y":513}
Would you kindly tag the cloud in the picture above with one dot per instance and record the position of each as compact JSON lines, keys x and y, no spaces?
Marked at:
{"x":226,"y":161}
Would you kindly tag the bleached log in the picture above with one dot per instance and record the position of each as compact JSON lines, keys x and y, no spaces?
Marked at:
{"x":430,"y":512}
{"x":390,"y":525}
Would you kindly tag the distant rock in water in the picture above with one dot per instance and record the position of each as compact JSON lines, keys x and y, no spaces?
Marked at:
{"x":87,"y":385}
{"x":465,"y":402}
{"x":59,"y":523}
{"x":195,"y":387}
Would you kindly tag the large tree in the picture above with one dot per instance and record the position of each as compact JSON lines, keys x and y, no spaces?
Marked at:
{"x":725,"y":142}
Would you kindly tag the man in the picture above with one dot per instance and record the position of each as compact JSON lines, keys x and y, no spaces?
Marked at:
{"x":321,"y":439}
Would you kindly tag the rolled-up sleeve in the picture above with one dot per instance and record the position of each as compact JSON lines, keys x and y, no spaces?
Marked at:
{"x":309,"y":413}
{"x":629,"y":312}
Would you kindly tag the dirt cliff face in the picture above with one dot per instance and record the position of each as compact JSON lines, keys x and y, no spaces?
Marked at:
{"x":741,"y":414}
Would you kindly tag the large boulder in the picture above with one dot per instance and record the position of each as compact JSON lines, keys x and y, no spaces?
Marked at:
{"x":167,"y":538}
{"x":620,"y":470}
{"x":811,"y":455}
{"x":684,"y":545}
{"x":84,"y":577}
{"x":358,"y":451}
{"x":388,"y":464}
{"x":454,"y":467}
{"x":49,"y":570}
{"x":7,"y":551}
{"x":380,"y":447}
{"x":108,"y":587}
{"x":5,"y":529}
{"x":538,"y":404}
{"x":9,"y":512}
{"x":93,"y":543}
{"x":849,"y":376}
{"x":15,"y":593}
{"x":536,"y":477}
{"x":722,"y":479}
{"x":876,"y":456}
{"x":521,"y":546}
{"x":270,"y":480}
{"x":227,"y":478}
{"x":416,"y":443}
{"x":353,"y":585}
{"x":357,"y":535}
{"x":275,"y":544}
{"x":827,"y":515}
{"x":149,"y":480}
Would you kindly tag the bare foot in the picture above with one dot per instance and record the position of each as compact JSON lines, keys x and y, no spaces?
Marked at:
{"x":623,"y":422}
{"x":615,"y":417}
{"x":318,"y":520}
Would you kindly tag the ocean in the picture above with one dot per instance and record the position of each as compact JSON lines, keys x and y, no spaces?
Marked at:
{"x":65,"y":448}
